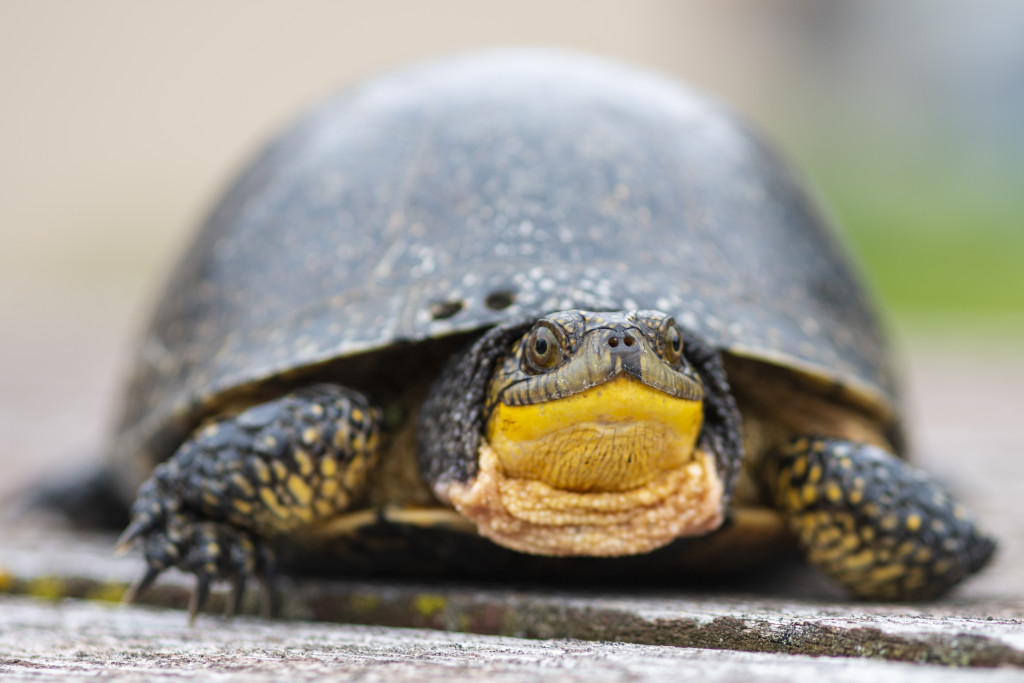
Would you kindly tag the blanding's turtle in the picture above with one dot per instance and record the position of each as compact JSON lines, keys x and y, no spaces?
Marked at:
{"x":570,"y":314}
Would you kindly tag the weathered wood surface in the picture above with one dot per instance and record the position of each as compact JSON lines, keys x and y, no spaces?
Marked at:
{"x":88,"y":639}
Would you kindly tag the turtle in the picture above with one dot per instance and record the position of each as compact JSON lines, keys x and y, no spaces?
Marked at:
{"x":533,"y":310}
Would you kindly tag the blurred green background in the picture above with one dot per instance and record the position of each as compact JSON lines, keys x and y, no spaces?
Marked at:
{"x":120,"y":120}
{"x":917,"y":141}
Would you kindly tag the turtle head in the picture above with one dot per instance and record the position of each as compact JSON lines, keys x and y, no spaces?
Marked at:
{"x":599,"y":434}
{"x":588,"y":402}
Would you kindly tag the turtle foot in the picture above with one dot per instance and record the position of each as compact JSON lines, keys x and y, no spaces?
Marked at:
{"x":882,"y":529}
{"x":210,"y":550}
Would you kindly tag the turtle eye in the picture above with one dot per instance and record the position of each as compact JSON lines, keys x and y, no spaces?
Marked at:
{"x":543,"y":351}
{"x":672,"y":343}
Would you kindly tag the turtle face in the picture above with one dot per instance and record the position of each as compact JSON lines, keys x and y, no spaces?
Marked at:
{"x":595,"y":402}
{"x":591,"y":428}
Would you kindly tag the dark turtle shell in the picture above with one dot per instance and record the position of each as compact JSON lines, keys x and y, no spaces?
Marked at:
{"x":445,"y":197}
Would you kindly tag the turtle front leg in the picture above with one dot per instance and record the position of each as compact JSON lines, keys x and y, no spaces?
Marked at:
{"x":239,"y":481}
{"x":881,"y":528}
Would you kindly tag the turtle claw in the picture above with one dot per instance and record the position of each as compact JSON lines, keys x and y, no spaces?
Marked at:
{"x":141,"y":586}
{"x":268,"y":593}
{"x":199,"y":596}
{"x":210,"y":550}
{"x":128,"y":537}
{"x":234,"y":601}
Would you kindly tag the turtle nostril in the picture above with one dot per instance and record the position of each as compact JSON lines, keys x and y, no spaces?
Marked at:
{"x":613,"y":342}
{"x":629,"y":340}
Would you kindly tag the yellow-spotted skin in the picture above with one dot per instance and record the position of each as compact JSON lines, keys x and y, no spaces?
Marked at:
{"x":273,"y":469}
{"x":879,"y":527}
{"x":264,"y":470}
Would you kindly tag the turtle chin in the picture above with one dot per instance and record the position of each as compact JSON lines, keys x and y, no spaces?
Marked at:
{"x":532,"y":516}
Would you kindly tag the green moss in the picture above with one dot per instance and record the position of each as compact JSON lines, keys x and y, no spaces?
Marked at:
{"x":429,"y":604}
{"x":6,"y":580}
{"x":106,"y":592}
{"x":48,"y":587}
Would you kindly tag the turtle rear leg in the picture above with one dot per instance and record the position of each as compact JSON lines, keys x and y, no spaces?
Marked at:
{"x":240,"y":481}
{"x":881,"y":528}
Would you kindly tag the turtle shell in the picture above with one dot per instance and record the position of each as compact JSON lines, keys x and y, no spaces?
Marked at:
{"x":445,"y":197}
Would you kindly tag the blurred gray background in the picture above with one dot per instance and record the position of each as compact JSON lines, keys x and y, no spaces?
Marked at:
{"x":121,"y":121}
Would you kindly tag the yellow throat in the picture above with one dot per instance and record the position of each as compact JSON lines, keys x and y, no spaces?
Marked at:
{"x":613,"y":437}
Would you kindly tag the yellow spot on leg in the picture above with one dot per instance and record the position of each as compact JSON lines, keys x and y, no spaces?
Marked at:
{"x":310,"y":435}
{"x":833,"y":492}
{"x":886,"y":573}
{"x":300,"y":490}
{"x":860,"y":561}
{"x":809,"y":494}
{"x":243,"y":485}
{"x":359,"y":442}
{"x":261,"y":470}
{"x":915,"y":578}
{"x":340,"y":439}
{"x":280,"y":471}
{"x":304,"y":462}
{"x":356,"y":474}
{"x":328,"y":467}
{"x":270,"y":500}
{"x":372,"y":442}
{"x":905,"y":548}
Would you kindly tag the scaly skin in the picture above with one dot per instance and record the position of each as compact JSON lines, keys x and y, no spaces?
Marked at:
{"x":240,"y":481}
{"x":881,"y":528}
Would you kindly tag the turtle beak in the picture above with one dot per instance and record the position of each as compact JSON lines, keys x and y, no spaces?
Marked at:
{"x":624,"y":351}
